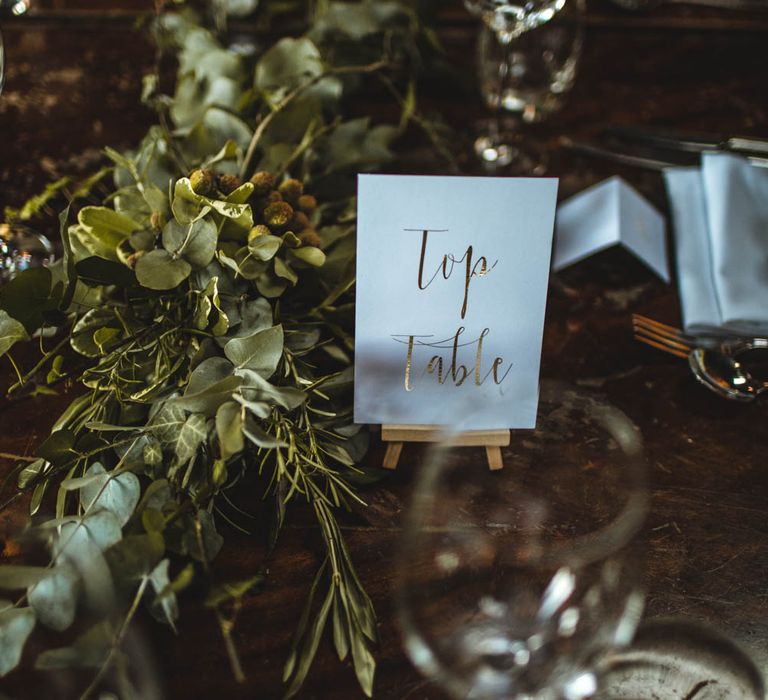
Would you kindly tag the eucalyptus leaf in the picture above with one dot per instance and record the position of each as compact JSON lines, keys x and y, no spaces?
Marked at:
{"x":159,"y":270}
{"x":195,"y":242}
{"x":229,"y":429}
{"x":165,"y":597}
{"x":118,"y":494}
{"x":54,"y":599}
{"x":135,"y":556}
{"x":89,"y":650}
{"x":259,"y":352}
{"x":28,"y":296}
{"x":16,"y":625}
{"x":13,"y":577}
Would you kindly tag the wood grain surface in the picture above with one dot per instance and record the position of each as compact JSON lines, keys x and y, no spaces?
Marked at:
{"x":73,"y":87}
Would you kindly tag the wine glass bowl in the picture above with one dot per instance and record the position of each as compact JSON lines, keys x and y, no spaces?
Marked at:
{"x":510,"y":18}
{"x":511,"y":584}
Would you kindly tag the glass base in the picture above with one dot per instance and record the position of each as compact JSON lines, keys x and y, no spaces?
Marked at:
{"x":504,"y":147}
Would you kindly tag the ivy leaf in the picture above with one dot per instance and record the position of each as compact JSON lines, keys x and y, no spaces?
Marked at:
{"x":16,"y":625}
{"x":191,"y":436}
{"x":159,"y":270}
{"x":11,"y":331}
{"x":117,"y":494}
{"x":54,"y":599}
{"x":229,"y":428}
{"x":259,"y":352}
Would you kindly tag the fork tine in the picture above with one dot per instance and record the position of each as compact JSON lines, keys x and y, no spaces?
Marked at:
{"x":661,"y":329}
{"x":660,"y":336}
{"x":662,"y":346}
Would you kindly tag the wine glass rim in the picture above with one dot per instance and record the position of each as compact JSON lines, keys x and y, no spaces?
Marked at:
{"x":581,"y":549}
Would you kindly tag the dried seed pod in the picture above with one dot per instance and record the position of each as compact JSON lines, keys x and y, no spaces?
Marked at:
{"x":227,"y":184}
{"x":291,"y":190}
{"x":300,"y":221}
{"x":202,"y":182}
{"x":263,"y":182}
{"x":309,"y":237}
{"x":307,"y":204}
{"x":278,"y":215}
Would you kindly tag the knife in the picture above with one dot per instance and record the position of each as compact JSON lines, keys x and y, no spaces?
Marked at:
{"x":631,"y":159}
{"x":675,"y":141}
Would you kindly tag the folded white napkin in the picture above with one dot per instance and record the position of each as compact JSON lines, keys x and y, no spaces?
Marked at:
{"x":720,"y":216}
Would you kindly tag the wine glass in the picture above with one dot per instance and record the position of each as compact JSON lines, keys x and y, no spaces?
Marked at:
{"x":511,"y":584}
{"x":524,"y":68}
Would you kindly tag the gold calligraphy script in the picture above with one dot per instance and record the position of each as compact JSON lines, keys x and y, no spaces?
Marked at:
{"x":450,"y":369}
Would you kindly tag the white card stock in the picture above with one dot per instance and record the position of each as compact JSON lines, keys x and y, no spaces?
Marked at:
{"x":451,"y":291}
{"x":605,"y":215}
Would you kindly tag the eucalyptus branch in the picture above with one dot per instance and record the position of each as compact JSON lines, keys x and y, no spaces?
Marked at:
{"x":374,"y":67}
{"x":117,"y":641}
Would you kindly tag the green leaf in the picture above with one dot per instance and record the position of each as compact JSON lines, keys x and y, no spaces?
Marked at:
{"x":183,"y":191}
{"x":11,"y":331}
{"x":288,"y":64}
{"x":16,"y":625}
{"x":83,"y":331}
{"x":265,"y":247}
{"x":32,"y":471}
{"x":195,"y":242}
{"x":102,"y":229}
{"x":286,"y":396}
{"x":58,"y":447}
{"x":259,"y":437}
{"x":13,"y":577}
{"x":310,"y":255}
{"x":159,"y":270}
{"x":135,"y":556}
{"x":95,"y":271}
{"x":28,"y":296}
{"x":191,"y":436}
{"x":90,"y":650}
{"x":212,"y":541}
{"x":54,"y":599}
{"x":209,"y":399}
{"x":165,"y":596}
{"x":117,"y":494}
{"x":259,"y":352}
{"x":229,"y":428}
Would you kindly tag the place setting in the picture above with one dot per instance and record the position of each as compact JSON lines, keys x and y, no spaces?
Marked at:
{"x":316,"y":388}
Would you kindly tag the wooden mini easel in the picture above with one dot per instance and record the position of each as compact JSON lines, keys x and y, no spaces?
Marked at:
{"x":396,"y":435}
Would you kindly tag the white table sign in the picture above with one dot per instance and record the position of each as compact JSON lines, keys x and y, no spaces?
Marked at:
{"x":451,"y":291}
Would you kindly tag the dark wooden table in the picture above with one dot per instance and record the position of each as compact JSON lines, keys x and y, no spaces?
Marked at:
{"x":72,"y":87}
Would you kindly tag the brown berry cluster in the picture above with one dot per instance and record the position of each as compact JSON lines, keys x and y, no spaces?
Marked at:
{"x":209,"y":184}
{"x":282,"y":208}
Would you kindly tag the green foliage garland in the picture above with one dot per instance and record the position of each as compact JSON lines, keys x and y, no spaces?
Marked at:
{"x":207,"y":297}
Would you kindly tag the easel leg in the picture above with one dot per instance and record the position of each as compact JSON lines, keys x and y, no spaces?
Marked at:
{"x":392,"y":455}
{"x":494,"y":458}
